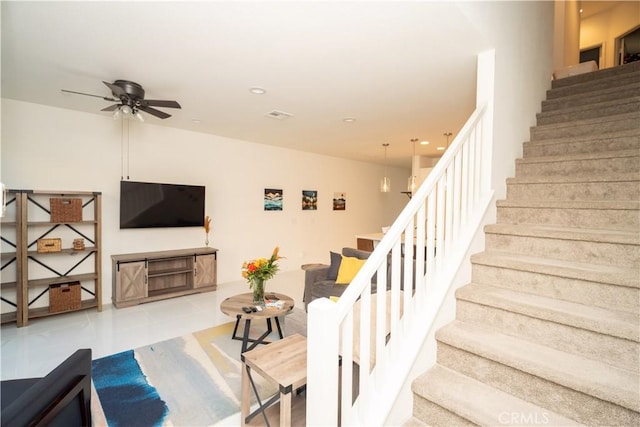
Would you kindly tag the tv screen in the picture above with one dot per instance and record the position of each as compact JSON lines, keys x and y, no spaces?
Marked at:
{"x":148,"y":204}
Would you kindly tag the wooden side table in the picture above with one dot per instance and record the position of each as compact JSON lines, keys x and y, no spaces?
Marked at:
{"x":232,"y":306}
{"x":284,"y":363}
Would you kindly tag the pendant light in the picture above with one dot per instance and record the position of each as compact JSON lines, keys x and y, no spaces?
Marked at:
{"x":385,"y":182}
{"x":412,"y":182}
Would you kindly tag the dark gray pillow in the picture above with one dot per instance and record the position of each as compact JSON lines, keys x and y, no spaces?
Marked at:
{"x":336,"y":259}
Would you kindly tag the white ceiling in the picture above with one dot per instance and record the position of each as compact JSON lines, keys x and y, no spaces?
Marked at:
{"x":402,"y":69}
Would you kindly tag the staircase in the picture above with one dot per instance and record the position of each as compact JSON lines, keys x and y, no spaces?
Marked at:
{"x":548,"y":331}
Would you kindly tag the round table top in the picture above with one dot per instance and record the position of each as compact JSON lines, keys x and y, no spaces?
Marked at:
{"x":232,"y":306}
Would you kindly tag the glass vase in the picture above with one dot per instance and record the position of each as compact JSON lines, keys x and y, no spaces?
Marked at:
{"x":257,"y":285}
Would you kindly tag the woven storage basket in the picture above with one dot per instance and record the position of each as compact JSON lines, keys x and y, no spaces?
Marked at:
{"x":66,"y":210}
{"x":64,"y":297}
{"x":49,"y":245}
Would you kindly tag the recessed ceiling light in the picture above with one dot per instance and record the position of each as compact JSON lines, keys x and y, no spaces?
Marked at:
{"x":257,"y":91}
{"x":440,"y":148}
{"x":196,"y":121}
{"x":424,"y":143}
{"x":348,"y":120}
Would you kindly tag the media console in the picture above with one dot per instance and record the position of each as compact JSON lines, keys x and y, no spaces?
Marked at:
{"x":151,"y":276}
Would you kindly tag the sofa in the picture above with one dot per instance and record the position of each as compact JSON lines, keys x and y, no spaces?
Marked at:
{"x":320,"y":280}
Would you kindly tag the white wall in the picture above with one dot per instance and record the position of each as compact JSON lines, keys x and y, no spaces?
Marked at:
{"x":522,"y":35}
{"x":46,"y":148}
{"x":603,"y":28}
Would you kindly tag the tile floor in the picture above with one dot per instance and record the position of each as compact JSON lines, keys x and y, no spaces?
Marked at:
{"x":36,"y":349}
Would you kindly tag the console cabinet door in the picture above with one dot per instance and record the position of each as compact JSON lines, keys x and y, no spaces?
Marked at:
{"x":204,"y":271}
{"x":131,"y":281}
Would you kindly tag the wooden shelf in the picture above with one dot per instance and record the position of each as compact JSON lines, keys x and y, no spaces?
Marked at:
{"x":49,"y":224}
{"x":8,"y":317}
{"x":169,"y":291}
{"x":71,"y":251}
{"x":44,"y":311}
{"x":169,"y":272}
{"x":64,"y":279}
{"x":8,"y":285}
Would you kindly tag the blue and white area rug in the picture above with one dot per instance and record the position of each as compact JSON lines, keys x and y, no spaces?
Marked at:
{"x":193,"y":380}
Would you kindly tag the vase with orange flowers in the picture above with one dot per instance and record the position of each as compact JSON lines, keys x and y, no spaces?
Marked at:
{"x":258,"y":271}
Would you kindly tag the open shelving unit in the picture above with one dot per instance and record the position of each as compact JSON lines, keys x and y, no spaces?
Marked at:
{"x":27,"y":274}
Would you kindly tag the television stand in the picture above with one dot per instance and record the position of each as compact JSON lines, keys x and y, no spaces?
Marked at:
{"x":150,"y":276}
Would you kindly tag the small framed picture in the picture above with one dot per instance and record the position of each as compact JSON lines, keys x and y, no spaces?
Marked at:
{"x":309,"y":200}
{"x":339,"y":201}
{"x":272,"y":199}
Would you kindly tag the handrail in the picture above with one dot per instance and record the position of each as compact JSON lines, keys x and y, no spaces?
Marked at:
{"x":415,"y":262}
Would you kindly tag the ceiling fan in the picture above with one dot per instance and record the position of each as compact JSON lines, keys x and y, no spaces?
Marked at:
{"x":130,"y":100}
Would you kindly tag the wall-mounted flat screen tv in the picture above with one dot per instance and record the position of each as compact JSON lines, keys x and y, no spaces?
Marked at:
{"x":148,"y":205}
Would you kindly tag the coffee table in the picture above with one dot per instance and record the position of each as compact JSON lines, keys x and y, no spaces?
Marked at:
{"x":232,"y":306}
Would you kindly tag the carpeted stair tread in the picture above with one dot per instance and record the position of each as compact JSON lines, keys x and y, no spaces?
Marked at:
{"x":612,"y":107}
{"x":575,"y":204}
{"x":632,"y":119}
{"x":605,"y":136}
{"x":594,"y":85}
{"x":582,"y":156}
{"x":575,"y":178}
{"x":615,"y":323}
{"x":608,"y":274}
{"x":477,"y":402}
{"x":591,"y":97}
{"x":605,"y":73}
{"x":616,"y":385}
{"x":565,"y":233}
{"x":415,"y":422}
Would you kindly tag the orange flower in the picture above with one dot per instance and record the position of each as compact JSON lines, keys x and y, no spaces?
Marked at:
{"x":261,"y":268}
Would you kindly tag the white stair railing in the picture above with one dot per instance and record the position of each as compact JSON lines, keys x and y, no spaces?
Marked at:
{"x":355,"y":381}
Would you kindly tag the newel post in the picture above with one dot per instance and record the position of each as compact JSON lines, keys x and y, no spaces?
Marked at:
{"x":322,"y":363}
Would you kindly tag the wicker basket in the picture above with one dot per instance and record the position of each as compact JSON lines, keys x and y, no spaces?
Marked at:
{"x":49,"y":245}
{"x":66,"y":210}
{"x":64,"y":297}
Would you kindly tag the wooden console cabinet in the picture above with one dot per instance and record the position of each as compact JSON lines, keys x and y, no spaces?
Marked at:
{"x":151,"y":276}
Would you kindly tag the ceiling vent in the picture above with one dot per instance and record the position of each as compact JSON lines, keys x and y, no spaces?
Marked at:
{"x":278,"y":115}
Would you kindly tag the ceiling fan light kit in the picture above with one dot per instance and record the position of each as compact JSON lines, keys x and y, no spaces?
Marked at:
{"x":129,"y":98}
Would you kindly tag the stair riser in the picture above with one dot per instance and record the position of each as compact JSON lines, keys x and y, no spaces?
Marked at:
{"x":590,"y":99}
{"x":596,"y":294}
{"x":606,"y":73}
{"x":627,"y":164}
{"x":616,"y":219}
{"x":597,"y":110}
{"x":573,"y":404}
{"x":581,"y":147}
{"x":540,"y":133}
{"x":612,"y":350}
{"x":435,"y":415}
{"x":568,"y":250}
{"x":594,"y":85}
{"x":585,"y":191}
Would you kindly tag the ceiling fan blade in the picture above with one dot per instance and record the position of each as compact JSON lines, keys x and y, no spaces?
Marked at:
{"x":111,"y":107}
{"x":88,"y":94}
{"x":159,"y":103}
{"x":116,"y":90}
{"x":159,"y":114}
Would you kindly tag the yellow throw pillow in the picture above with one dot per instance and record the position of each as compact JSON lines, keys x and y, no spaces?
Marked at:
{"x":349,"y":267}
{"x":334,"y":298}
